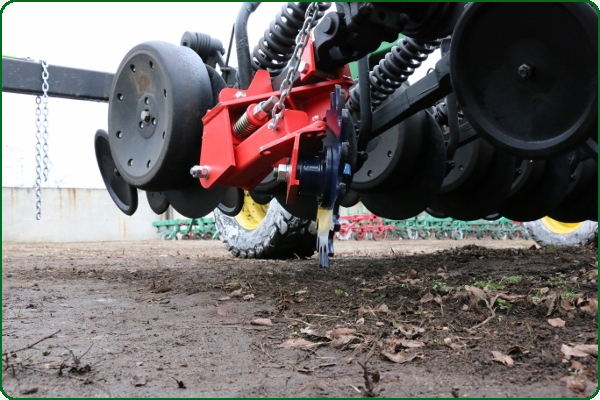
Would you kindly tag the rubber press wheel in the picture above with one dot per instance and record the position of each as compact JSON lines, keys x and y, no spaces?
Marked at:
{"x":547,"y":231}
{"x":266,"y":232}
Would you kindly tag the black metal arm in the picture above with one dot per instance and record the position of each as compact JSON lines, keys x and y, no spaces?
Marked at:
{"x":25,"y":77}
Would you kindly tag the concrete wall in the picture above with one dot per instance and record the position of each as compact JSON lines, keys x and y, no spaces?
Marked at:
{"x":72,"y":215}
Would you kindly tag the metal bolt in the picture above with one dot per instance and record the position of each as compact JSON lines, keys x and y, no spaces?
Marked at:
{"x":200,"y":171}
{"x":302,"y":67}
{"x":282,"y":172}
{"x":525,"y":71}
{"x":145,"y":116}
{"x":239,"y":95}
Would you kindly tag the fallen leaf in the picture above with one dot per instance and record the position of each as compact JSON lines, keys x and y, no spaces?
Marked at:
{"x":502,"y":358}
{"x":557,"y":322}
{"x":299,"y":343}
{"x":261,"y":322}
{"x":342,"y":341}
{"x":574,"y":383}
{"x":580,"y":350}
{"x":365,"y":290}
{"x":591,"y":349}
{"x":360,"y":321}
{"x":566,"y":305}
{"x":311,"y":332}
{"x":337,"y":332}
{"x":163,"y":289}
{"x":576,"y":365}
{"x":544,"y":290}
{"x":235,"y":293}
{"x":225,"y":298}
{"x":232,"y":285}
{"x":299,"y":292}
{"x":476,"y":293}
{"x":382,"y":309}
{"x":379,"y":323}
{"x":443,"y":275}
{"x":248,"y":297}
{"x":427,"y":298}
{"x":401,"y":357}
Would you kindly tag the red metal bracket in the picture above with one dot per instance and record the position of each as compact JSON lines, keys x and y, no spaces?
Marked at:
{"x":245,"y":162}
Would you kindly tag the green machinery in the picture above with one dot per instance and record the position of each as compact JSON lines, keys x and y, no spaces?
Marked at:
{"x":187,"y":229}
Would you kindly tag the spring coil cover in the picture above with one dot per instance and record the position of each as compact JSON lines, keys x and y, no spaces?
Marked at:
{"x":276,"y":47}
{"x":394,"y":69}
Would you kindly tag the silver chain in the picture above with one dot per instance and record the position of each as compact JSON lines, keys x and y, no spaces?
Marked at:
{"x":293,"y":64}
{"x":41,"y":136}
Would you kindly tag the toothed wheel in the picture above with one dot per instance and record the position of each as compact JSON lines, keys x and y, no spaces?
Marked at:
{"x":266,"y":232}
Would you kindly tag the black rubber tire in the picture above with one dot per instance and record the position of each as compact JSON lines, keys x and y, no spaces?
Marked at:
{"x":279,"y":236}
{"x":586,"y":234}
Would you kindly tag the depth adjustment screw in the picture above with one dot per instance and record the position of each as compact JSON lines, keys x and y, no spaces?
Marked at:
{"x":525,"y":71}
{"x":200,"y":171}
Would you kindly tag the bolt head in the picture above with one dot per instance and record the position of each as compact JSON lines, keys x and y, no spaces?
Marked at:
{"x":239,"y":95}
{"x":525,"y":71}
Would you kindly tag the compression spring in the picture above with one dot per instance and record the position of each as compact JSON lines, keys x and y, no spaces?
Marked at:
{"x":394,"y":69}
{"x":277,"y":45}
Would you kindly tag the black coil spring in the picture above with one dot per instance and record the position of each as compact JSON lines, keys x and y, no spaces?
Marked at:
{"x":277,"y":45}
{"x":394,"y":69}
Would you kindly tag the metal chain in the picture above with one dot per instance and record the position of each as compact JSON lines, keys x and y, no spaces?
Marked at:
{"x":293,"y":64}
{"x":41,"y":123}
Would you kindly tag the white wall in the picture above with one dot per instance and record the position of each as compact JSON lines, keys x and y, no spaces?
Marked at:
{"x":70,"y":215}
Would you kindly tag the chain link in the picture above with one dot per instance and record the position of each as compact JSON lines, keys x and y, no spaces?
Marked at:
{"x":294,"y":64}
{"x":41,"y":136}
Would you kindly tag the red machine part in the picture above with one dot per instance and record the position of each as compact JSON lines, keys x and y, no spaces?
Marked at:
{"x":236,"y":161}
{"x":362,"y":226}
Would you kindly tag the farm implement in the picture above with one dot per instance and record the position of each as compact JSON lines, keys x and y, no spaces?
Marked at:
{"x":424,"y":226}
{"x":504,"y":125}
{"x":187,"y":229}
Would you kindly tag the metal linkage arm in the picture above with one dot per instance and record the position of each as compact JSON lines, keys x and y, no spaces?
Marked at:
{"x":424,"y":93}
{"x":25,"y":77}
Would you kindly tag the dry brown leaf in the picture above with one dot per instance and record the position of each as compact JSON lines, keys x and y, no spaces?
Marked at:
{"x":427,"y":298}
{"x":337,"y":332}
{"x":576,"y":365}
{"x":299,"y":343}
{"x":225,"y":298}
{"x":412,"y":273}
{"x":379,"y":323}
{"x":235,"y":293}
{"x":591,"y":349}
{"x":454,"y":346}
{"x":502,"y":358}
{"x":163,"y":289}
{"x":566,"y":305}
{"x":438,"y":299}
{"x":443,"y":275}
{"x":557,"y":322}
{"x":544,"y":290}
{"x":248,"y":297}
{"x":365,"y":310}
{"x":580,"y":350}
{"x":261,"y":322}
{"x":342,"y":341}
{"x":382,"y":309}
{"x":232,"y":285}
{"x":465,"y":307}
{"x":365,"y":290}
{"x":574,"y":383}
{"x":401,"y":357}
{"x":360,"y":321}
{"x":299,"y":292}
{"x":476,"y":293}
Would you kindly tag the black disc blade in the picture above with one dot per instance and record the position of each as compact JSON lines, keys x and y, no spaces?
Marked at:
{"x":157,"y":201}
{"x":123,"y":195}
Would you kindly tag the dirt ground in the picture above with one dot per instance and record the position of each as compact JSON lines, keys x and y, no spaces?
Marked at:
{"x":395,"y":318}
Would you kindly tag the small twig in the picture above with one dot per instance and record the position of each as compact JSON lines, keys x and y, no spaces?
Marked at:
{"x":31,"y":345}
{"x":322,"y":315}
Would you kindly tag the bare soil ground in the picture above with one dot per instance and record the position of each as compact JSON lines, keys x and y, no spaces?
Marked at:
{"x":389,"y":319}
